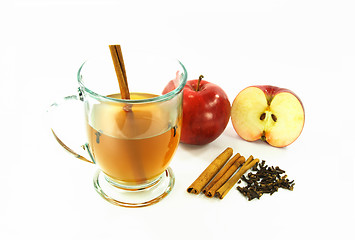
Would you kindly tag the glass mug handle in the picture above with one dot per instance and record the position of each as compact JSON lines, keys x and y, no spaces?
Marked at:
{"x":64,"y":105}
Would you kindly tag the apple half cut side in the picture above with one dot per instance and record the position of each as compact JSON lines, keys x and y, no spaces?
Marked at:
{"x":272,"y":114}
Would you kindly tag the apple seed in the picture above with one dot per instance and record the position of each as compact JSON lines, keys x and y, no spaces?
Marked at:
{"x":262,"y":116}
{"x":273,"y":117}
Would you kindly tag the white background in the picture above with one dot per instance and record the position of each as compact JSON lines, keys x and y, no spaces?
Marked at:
{"x":307,"y":46}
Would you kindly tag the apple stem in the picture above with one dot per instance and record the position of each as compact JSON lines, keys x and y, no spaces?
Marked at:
{"x":263,"y":138}
{"x":198,"y":82}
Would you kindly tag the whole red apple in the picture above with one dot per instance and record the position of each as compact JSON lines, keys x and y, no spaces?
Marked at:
{"x":272,"y":114}
{"x":206,"y":111}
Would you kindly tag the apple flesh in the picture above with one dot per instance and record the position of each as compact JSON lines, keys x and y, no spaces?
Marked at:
{"x":206,"y":111}
{"x":272,"y":114}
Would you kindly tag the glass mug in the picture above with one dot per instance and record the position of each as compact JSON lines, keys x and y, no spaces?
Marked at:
{"x":131,"y":141}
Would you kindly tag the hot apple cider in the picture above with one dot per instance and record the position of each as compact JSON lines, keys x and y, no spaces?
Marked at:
{"x":132,"y":145}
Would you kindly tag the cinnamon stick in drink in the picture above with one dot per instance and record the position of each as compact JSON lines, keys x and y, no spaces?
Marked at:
{"x":128,"y":119}
{"x":206,"y":176}
{"x":117,"y":58}
{"x":212,"y":191}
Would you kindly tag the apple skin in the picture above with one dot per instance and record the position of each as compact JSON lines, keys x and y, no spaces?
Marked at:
{"x":206,"y":112}
{"x":272,"y":114}
{"x":271,"y":91}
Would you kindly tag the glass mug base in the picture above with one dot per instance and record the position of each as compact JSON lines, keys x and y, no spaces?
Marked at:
{"x":134,"y":197}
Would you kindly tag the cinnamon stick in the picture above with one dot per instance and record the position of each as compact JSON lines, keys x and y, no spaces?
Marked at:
{"x":210,"y":172}
{"x":117,"y":58}
{"x":211,"y":192}
{"x":222,"y":191}
{"x":128,"y":119}
{"x":221,"y":173}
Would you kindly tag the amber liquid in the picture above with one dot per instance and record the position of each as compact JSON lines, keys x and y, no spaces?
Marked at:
{"x":136,"y":146}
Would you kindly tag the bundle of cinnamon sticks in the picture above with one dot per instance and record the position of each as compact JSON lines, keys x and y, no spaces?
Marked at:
{"x":222,"y":174}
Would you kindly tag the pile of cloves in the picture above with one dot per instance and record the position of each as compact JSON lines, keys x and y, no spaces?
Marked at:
{"x":264,"y":179}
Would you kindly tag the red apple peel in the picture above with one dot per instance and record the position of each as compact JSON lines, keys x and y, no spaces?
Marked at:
{"x":206,"y":111}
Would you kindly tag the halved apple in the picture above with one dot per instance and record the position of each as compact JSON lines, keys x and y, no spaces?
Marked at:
{"x":272,"y":114}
